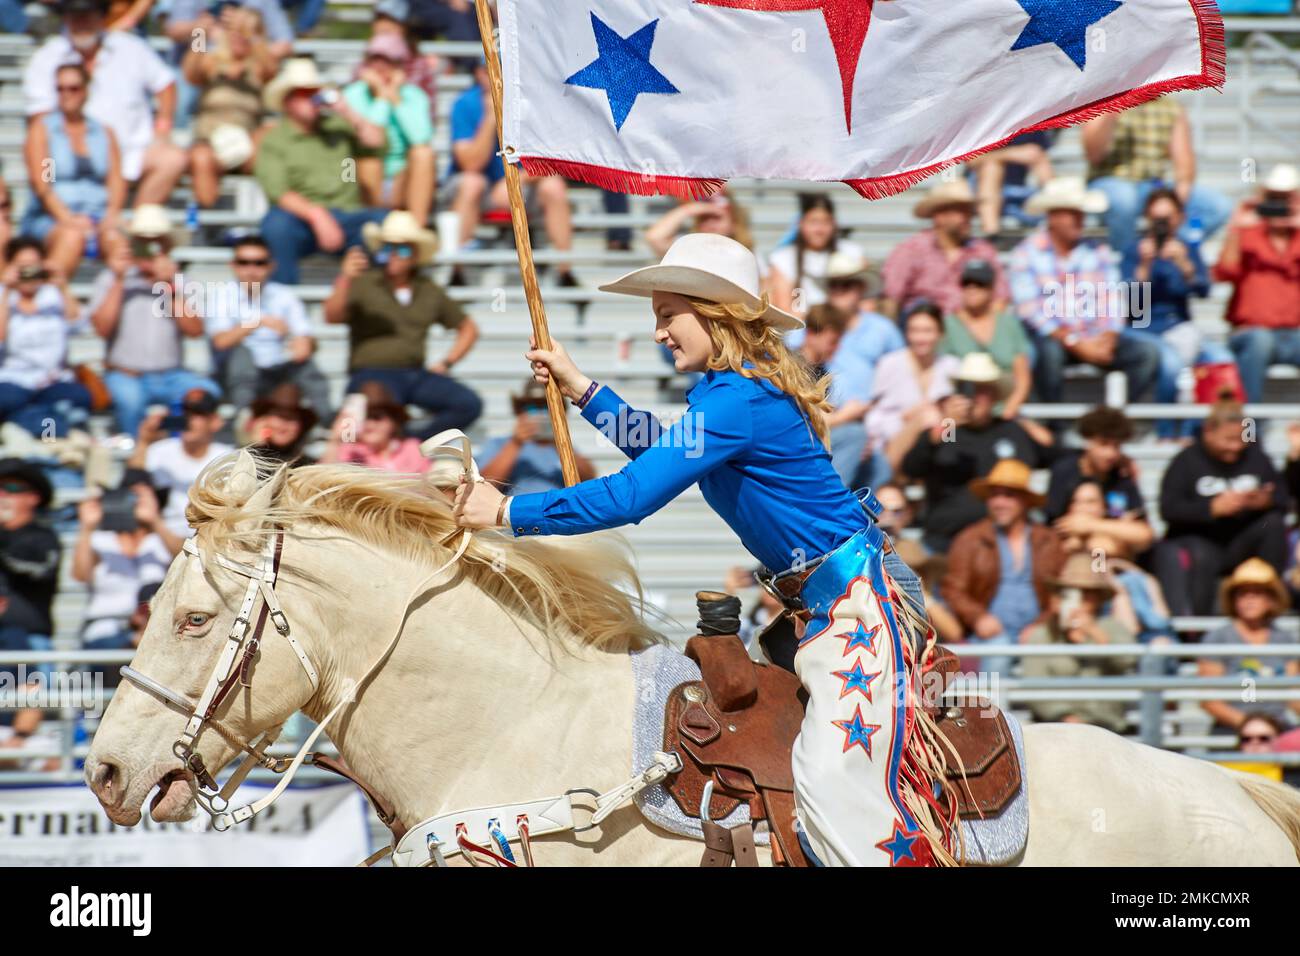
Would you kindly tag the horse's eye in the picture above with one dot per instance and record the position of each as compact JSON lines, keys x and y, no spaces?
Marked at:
{"x":196,"y":620}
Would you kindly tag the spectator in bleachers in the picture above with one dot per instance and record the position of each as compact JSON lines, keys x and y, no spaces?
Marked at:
{"x":127,"y":14}
{"x":930,"y":571}
{"x":38,"y":391}
{"x":174,"y":461}
{"x":820,"y":343}
{"x":797,"y":271}
{"x":261,"y":333}
{"x":445,"y":19}
{"x":998,"y":567}
{"x":1104,"y":430}
{"x":718,"y":213}
{"x":6,"y":216}
{"x":370,"y":433}
{"x":961,"y":442}
{"x":982,"y":324}
{"x":476,"y":178}
{"x":188,"y":20}
{"x":128,"y":637}
{"x":1028,"y":151}
{"x":1067,"y":291}
{"x":1258,"y":732}
{"x":389,"y":308}
{"x":1261,"y":257}
{"x":1252,"y":598}
{"x":123,"y":543}
{"x":401,"y":109}
{"x":280,"y":425}
{"x":1223,"y":501}
{"x":303,"y":163}
{"x":1173,"y":272}
{"x":140,"y":308}
{"x":391,"y":20}
{"x":907,"y":385}
{"x":896,"y":512}
{"x":1145,"y":147}
{"x":929,"y":264}
{"x":13,"y":19}
{"x":526,"y":461}
{"x":126,"y":78}
{"x":229,"y":73}
{"x":17,"y":726}
{"x":29,"y":554}
{"x":75,"y":174}
{"x":1075,"y":614}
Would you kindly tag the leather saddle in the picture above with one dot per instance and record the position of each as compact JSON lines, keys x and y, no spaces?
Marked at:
{"x":736,"y":727}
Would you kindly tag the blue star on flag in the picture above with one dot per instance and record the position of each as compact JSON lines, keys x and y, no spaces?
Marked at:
{"x":856,"y":679}
{"x":1063,"y":22}
{"x":622,"y":69}
{"x":857,"y":732}
{"x":860,"y":637}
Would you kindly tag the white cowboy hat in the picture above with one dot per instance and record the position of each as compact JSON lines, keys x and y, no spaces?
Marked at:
{"x":846,"y":267}
{"x":298,"y":73}
{"x":706,"y":266}
{"x":1282,"y":178}
{"x":1066,"y":192}
{"x":979,"y":368}
{"x":232,"y":145}
{"x":942,"y":196}
{"x":399,"y":226}
{"x":151,"y":220}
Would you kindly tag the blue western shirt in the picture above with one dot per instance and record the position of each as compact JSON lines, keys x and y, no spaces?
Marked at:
{"x":748,"y":446}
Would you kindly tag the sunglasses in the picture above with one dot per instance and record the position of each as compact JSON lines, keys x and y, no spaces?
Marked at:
{"x":253,"y":262}
{"x":148,"y":247}
{"x":977,"y":283}
{"x":1259,"y":739}
{"x":70,"y":88}
{"x":403,"y":250}
{"x":15,"y":487}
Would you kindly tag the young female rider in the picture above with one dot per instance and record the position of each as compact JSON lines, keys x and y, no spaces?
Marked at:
{"x":754,"y":439}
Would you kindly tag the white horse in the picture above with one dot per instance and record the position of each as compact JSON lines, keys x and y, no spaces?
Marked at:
{"x":511,"y":681}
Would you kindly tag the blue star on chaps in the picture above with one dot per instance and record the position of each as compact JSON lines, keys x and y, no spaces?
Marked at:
{"x":622,"y":69}
{"x":1063,"y":22}
{"x":860,"y":637}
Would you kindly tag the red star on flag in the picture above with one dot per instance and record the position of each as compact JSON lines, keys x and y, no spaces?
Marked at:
{"x":846,"y":20}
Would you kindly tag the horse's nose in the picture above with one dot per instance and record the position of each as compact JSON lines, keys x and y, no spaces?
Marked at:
{"x":104,"y":779}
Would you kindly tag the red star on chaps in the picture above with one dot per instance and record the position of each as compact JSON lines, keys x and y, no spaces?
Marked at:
{"x":846,"y":21}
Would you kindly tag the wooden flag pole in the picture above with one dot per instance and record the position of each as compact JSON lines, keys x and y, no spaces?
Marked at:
{"x":524,"y":247}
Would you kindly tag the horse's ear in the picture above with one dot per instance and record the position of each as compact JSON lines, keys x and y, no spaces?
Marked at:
{"x":256,"y":494}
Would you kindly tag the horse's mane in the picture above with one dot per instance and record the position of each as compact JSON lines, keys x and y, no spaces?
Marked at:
{"x":559,"y":583}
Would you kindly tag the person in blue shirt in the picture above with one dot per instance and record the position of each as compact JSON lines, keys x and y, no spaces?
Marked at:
{"x":526,"y":461}
{"x":754,"y":439}
{"x":476,"y":176}
{"x":1171,"y":272}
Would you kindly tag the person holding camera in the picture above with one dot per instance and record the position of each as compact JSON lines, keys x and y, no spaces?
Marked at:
{"x":123,"y":544}
{"x":526,"y":461}
{"x":368,"y":431}
{"x":1261,"y":257}
{"x":38,"y":391}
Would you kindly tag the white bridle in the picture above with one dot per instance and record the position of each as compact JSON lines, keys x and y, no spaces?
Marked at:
{"x":200,"y":714}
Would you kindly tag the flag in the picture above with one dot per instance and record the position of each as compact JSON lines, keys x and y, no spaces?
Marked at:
{"x":678,"y":96}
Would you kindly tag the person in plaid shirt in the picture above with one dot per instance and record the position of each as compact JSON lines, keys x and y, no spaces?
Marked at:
{"x":1067,"y":291}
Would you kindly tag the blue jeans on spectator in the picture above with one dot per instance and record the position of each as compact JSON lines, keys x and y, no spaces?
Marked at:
{"x":45,"y":412}
{"x":133,"y":394}
{"x":291,"y":238}
{"x":999,"y":664}
{"x":308,"y":16}
{"x":453,"y":405}
{"x":1127,"y":199}
{"x":1135,"y":356}
{"x":12,"y":17}
{"x":848,"y":445}
{"x":1171,"y":364}
{"x":1257,"y":349}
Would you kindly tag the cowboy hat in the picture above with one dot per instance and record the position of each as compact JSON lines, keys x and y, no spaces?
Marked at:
{"x":1066,"y":192}
{"x":1011,"y":474}
{"x":399,"y":227}
{"x":532,"y":394}
{"x":231,"y":145}
{"x":1078,"y":572}
{"x":286,"y":400}
{"x":846,"y":267}
{"x":30,"y":475}
{"x":980,"y":369}
{"x":150,"y":221}
{"x":705,"y":266}
{"x":1254,"y":572}
{"x":1282,"y":178}
{"x":944,"y":195}
{"x":298,"y":73}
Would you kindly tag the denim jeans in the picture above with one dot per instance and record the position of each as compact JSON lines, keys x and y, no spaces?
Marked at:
{"x":1127,"y":199}
{"x":291,"y":238}
{"x":244,"y":380}
{"x":453,"y":405}
{"x":1137,"y":357}
{"x":1257,"y":349}
{"x":45,"y":412}
{"x":848,"y":443}
{"x":1171,"y":364}
{"x":133,"y":394}
{"x":12,"y":17}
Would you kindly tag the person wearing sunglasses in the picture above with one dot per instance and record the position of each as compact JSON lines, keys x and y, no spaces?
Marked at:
{"x":29,"y":555}
{"x":81,"y":203}
{"x":260,"y":332}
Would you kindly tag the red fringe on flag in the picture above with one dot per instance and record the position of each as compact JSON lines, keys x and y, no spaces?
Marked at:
{"x":1213,"y":73}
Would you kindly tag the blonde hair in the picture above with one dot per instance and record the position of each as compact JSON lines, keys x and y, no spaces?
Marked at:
{"x":740,"y":335}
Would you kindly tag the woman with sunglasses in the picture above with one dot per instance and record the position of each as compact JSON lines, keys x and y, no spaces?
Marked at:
{"x":75,"y":173}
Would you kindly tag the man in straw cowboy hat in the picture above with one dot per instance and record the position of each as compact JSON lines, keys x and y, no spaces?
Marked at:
{"x":144,"y":361}
{"x":388,"y":308}
{"x":998,"y":568}
{"x":964,"y":442}
{"x":301,"y":166}
{"x":1075,"y":614}
{"x":928,"y":265}
{"x":755,"y":440}
{"x":1068,"y":292}
{"x":1253,"y":597}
